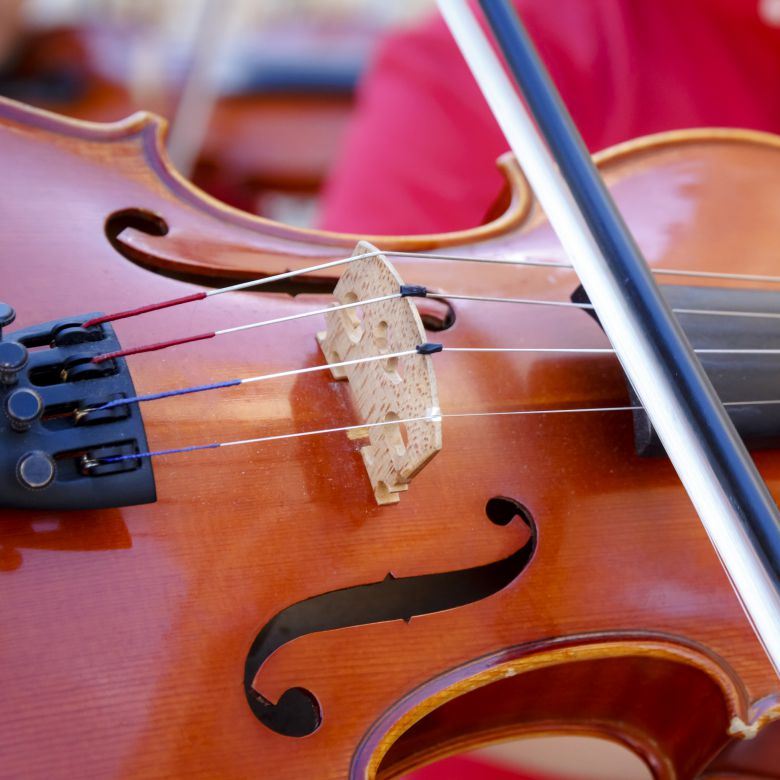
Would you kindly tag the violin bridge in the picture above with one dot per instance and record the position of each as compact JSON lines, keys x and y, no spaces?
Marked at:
{"x":398,"y":388}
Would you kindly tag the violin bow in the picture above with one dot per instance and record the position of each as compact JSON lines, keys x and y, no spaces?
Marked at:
{"x":730,"y":497}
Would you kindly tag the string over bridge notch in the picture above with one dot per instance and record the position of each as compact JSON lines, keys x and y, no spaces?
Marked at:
{"x":384,"y":390}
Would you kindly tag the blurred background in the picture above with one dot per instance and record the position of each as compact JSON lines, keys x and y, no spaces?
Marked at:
{"x":258,"y":96}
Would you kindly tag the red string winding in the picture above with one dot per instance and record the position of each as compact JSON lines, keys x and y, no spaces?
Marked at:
{"x":151,"y":347}
{"x":122,"y":315}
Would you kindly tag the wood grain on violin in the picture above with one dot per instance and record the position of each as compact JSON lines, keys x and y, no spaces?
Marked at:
{"x":538,"y":576}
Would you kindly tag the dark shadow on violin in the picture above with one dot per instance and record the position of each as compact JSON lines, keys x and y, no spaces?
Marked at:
{"x":297,"y":713}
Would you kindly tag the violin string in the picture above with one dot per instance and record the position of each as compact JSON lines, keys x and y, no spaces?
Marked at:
{"x":405,"y":291}
{"x":422,"y":349}
{"x":590,"y":307}
{"x":535,"y":262}
{"x":225,"y":331}
{"x":237,"y":382}
{"x":259,"y":282}
{"x":437,"y":417}
{"x":603,"y":350}
{"x":525,"y":260}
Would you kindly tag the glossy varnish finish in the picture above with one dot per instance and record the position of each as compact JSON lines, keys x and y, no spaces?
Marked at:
{"x":124,"y":632}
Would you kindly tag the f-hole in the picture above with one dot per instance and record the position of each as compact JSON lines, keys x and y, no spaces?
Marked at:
{"x":154,"y":225}
{"x":298,"y":713}
{"x":146,"y":221}
{"x":502,"y":510}
{"x":436,"y":314}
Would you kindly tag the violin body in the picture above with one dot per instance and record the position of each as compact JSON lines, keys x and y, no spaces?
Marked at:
{"x":126,"y":632}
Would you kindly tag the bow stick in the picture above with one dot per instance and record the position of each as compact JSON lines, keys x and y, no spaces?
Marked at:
{"x":730,"y":497}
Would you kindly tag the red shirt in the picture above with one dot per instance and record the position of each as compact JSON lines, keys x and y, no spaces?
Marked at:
{"x":420,"y":154}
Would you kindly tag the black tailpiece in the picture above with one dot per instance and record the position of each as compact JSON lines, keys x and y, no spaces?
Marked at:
{"x":50,"y":453}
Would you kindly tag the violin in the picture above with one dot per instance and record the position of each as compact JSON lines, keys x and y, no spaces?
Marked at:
{"x":535,"y":560}
{"x":437,"y":518}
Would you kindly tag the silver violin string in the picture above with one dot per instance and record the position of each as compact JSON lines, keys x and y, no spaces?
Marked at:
{"x":524,"y":260}
{"x":603,"y":350}
{"x":310,"y":313}
{"x":589,"y":306}
{"x":393,"y":296}
{"x":423,"y":349}
{"x":433,"y":417}
{"x":536,"y":262}
{"x":527,"y":260}
{"x":156,"y":346}
{"x":224,"y":384}
{"x":476,"y":298}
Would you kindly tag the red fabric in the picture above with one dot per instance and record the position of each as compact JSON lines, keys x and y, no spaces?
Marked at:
{"x":420,"y":155}
{"x":466,"y":768}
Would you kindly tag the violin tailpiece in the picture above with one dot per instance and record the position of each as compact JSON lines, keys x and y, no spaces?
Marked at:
{"x":398,"y":388}
{"x":47,"y":380}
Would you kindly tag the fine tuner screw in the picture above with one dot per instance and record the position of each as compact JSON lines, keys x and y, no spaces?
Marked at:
{"x":13,"y":358}
{"x":35,"y":470}
{"x":23,"y":407}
